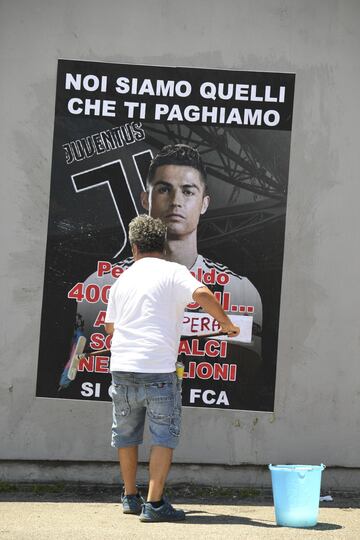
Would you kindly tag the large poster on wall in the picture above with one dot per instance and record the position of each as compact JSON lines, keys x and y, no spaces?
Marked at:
{"x":111,"y":120}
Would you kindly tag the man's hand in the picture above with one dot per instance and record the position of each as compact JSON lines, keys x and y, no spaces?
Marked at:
{"x":230,"y":329}
{"x":209,"y":303}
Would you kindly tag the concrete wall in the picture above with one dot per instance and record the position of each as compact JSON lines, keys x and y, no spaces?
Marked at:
{"x":316,"y":415}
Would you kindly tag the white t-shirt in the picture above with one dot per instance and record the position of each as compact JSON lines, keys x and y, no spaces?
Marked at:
{"x":146,"y":305}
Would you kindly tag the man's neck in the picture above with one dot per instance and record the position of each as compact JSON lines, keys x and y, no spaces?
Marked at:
{"x":182,"y":250}
{"x":152,"y":254}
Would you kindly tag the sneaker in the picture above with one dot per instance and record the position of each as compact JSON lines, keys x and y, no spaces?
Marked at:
{"x":164,"y":513}
{"x":132,"y":504}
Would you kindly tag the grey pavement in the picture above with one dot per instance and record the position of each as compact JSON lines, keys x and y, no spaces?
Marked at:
{"x":41,"y":517}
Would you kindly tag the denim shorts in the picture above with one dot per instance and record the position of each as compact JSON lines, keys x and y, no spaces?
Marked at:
{"x":136,"y":395}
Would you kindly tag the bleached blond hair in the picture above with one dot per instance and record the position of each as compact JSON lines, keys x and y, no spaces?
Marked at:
{"x":148,"y":234}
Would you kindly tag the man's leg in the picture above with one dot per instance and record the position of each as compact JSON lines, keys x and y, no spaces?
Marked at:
{"x":160,"y":462}
{"x":127,"y":434}
{"x":128,"y":459}
{"x":164,"y":413}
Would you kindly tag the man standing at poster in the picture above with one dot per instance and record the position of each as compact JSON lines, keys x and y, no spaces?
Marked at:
{"x":144,"y":316}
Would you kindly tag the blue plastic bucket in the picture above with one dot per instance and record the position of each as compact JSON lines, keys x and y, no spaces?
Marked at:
{"x":296,"y":493}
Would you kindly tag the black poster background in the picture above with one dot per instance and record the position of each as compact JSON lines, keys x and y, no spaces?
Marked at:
{"x":242,"y":229}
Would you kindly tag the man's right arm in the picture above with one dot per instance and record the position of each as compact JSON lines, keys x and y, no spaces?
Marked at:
{"x":209,"y":303}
